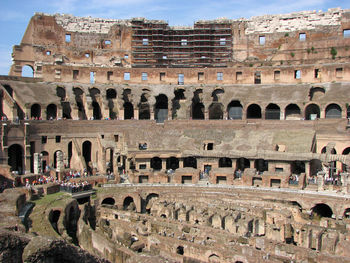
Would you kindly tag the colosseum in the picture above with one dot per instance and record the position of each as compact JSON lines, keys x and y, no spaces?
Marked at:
{"x":137,"y":141}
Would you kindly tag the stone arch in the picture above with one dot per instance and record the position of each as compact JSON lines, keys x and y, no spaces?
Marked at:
{"x":87,"y":149}
{"x":234,"y":110}
{"x":44,"y":160}
{"x":108,"y":201}
{"x":312,"y":111}
{"x":180,"y":250}
{"x":35,"y":111}
{"x":172,"y":163}
{"x":261,"y":165}
{"x":346,"y":213}
{"x":51,"y":111}
{"x":348,"y":112}
{"x":15,"y":158}
{"x":292,"y":111}
{"x":61,"y":93}
{"x":111,"y":94}
{"x":146,"y":207}
{"x":316,"y":93}
{"x":216,"y":221}
{"x":324,"y":150}
{"x":346,"y":151}
{"x":242,"y":163}
{"x":161,"y":108}
{"x":253,"y":111}
{"x":197,"y":107}
{"x":79,"y":93}
{"x":128,"y":111}
{"x":156,"y":163}
{"x":333,"y":111}
{"x":216,"y":94}
{"x":214,"y":258}
{"x":28,"y":71}
{"x":216,"y":111}
{"x":94,"y":92}
{"x":272,"y":112}
{"x":144,"y":108}
{"x":190,"y":162}
{"x":176,"y":105}
{"x":297,"y":167}
{"x":225,"y":162}
{"x":321,"y":210}
{"x":129,"y":204}
{"x":96,"y":111}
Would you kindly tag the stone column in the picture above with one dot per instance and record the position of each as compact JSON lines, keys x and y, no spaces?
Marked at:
{"x":59,"y":160}
{"x":136,"y":114}
{"x":320,"y":182}
{"x":181,"y":163}
{"x":307,"y":170}
{"x":37,"y":163}
{"x":163,"y":164}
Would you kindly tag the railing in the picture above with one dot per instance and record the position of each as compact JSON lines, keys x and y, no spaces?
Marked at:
{"x":75,"y":189}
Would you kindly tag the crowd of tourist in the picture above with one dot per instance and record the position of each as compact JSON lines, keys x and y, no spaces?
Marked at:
{"x":73,"y":187}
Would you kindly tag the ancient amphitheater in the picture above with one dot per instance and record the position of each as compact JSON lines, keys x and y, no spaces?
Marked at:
{"x":226,"y":141}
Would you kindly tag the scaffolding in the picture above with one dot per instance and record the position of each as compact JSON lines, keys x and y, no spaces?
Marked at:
{"x":156,"y":44}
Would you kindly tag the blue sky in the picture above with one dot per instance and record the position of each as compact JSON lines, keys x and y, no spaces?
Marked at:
{"x":15,"y":14}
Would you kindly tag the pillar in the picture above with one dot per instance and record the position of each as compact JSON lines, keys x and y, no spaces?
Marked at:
{"x":136,"y":114}
{"x":37,"y":163}
{"x":163,"y":164}
{"x":307,"y":170}
{"x":181,"y":163}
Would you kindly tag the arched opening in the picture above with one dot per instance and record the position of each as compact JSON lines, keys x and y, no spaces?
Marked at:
{"x":87,"y":154}
{"x":179,"y":95}
{"x":346,"y":213}
{"x":180,"y":250}
{"x":333,"y":111}
{"x":45,"y":161}
{"x":197,"y":111}
{"x":321,"y":210}
{"x":312,"y":112}
{"x":56,"y":158}
{"x":254,"y":112}
{"x":172,"y":163}
{"x":316,"y":93}
{"x":35,"y":111}
{"x":161,"y":108}
{"x":144,"y":111}
{"x":332,"y":150}
{"x":216,"y":111}
{"x":272,"y":112}
{"x":54,"y":216}
{"x":15,"y":160}
{"x":261,"y":165}
{"x":348,"y":112}
{"x":225,"y":162}
{"x":9,"y":90}
{"x":27,"y":71}
{"x":345,"y":168}
{"x":70,"y":153}
{"x":128,"y":111}
{"x":297,"y":167}
{"x":129,"y":204}
{"x":108,"y":201}
{"x":109,"y":160}
{"x":147,"y":204}
{"x":156,"y":163}
{"x":242,"y":164}
{"x":51,"y":112}
{"x":111,"y":94}
{"x":190,"y":162}
{"x":61,"y":92}
{"x":292,"y":112}
{"x":214,"y":258}
{"x":96,"y":111}
{"x":234,"y":110}
{"x":79,"y":101}
{"x":71,"y":224}
{"x":66,"y":110}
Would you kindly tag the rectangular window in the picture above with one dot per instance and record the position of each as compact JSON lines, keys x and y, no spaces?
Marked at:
{"x":183,"y":42}
{"x":239,"y":75}
{"x":302,"y":37}
{"x":144,"y":76}
{"x":317,"y":73}
{"x":58,"y":139}
{"x":116,"y":138}
{"x":126,"y":56}
{"x":200,"y":75}
{"x":277,"y":74}
{"x":142,"y":166}
{"x":68,"y":38}
{"x":57,"y":73}
{"x":262,"y":40}
{"x":346,"y":33}
{"x":87,"y":55}
{"x":279,"y":169}
{"x":43,"y":139}
{"x":92,"y":77}
{"x":162,"y":76}
{"x":107,"y":42}
{"x":126,"y":75}
{"x":48,"y":53}
{"x":75,"y":74}
{"x":339,"y":72}
{"x":210,"y":146}
{"x":109,"y":75}
{"x":297,"y":74}
{"x":219,"y":76}
{"x":181,"y":79}
{"x":222,"y":41}
{"x":257,"y":77}
{"x":145,"y":41}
